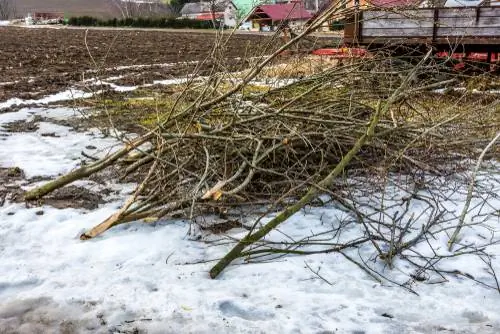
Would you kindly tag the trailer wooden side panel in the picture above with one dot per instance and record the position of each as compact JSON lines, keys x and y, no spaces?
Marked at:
{"x":478,"y":25}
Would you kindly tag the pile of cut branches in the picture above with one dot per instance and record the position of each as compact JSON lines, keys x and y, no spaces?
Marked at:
{"x":219,"y":149}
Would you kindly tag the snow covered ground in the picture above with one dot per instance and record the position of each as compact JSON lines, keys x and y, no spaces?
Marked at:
{"x":151,"y":278}
{"x":67,"y":95}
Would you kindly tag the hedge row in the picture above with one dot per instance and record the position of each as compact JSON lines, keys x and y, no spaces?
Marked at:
{"x":140,"y":22}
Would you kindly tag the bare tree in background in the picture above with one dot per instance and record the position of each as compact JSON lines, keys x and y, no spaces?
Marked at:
{"x":7,"y":10}
{"x":128,"y":8}
{"x":134,"y":8}
{"x":176,"y":5}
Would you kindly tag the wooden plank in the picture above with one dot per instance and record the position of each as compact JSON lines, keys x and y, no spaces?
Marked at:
{"x":397,"y":23}
{"x":462,"y":25}
{"x":428,"y":13}
{"x":427,"y":32}
{"x":469,"y":22}
{"x":477,"y":31}
{"x":416,"y":14}
{"x":444,"y":22}
{"x":493,"y":42}
{"x":468,"y":16}
{"x":471,"y":12}
{"x":457,"y":12}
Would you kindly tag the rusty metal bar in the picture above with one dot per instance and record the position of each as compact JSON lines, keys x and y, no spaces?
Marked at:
{"x":435,"y":24}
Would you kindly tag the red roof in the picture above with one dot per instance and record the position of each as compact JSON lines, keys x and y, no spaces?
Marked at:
{"x":283,"y":11}
{"x":209,"y":16}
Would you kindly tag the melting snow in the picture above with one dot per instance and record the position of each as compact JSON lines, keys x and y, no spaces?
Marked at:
{"x":150,"y":277}
{"x":67,"y":95}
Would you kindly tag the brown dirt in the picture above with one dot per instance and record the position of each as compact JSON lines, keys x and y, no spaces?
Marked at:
{"x":223,"y":227}
{"x":96,"y":8}
{"x":67,"y":197}
{"x":73,"y":197}
{"x":9,"y":187}
{"x":23,"y":125}
{"x":36,"y":62}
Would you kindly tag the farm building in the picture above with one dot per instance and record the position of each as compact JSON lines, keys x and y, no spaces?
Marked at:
{"x":268,"y":17}
{"x":225,"y":12}
{"x":245,"y":7}
{"x":44,"y":18}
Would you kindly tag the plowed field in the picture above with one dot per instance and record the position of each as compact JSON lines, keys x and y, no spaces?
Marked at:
{"x":36,"y":62}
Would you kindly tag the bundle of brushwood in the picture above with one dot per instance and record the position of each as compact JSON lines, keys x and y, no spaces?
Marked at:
{"x":285,"y":146}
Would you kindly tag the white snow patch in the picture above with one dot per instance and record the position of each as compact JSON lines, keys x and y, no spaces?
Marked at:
{"x":463,"y":89}
{"x":490,"y":91}
{"x":51,"y":155}
{"x":119,"y":88}
{"x":151,"y":277}
{"x":67,"y":95}
{"x":139,"y":271}
{"x":29,"y":113}
{"x":141,"y":66}
{"x":40,"y":155}
{"x":176,"y":81}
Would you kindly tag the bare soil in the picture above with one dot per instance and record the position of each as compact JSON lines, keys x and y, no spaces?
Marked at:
{"x":37,"y":62}
{"x":71,"y":196}
{"x":23,"y":125}
{"x":96,"y":8}
{"x":9,"y":187}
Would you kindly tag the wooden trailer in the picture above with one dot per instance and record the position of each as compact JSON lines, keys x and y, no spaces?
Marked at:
{"x":461,"y":29}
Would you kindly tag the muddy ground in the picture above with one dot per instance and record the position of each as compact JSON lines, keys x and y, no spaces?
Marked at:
{"x":37,"y":62}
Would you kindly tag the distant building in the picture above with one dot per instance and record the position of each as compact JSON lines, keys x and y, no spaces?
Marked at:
{"x":246,"y":6}
{"x":44,"y":18}
{"x":224,"y":12}
{"x":268,"y":17}
{"x":315,"y":5}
